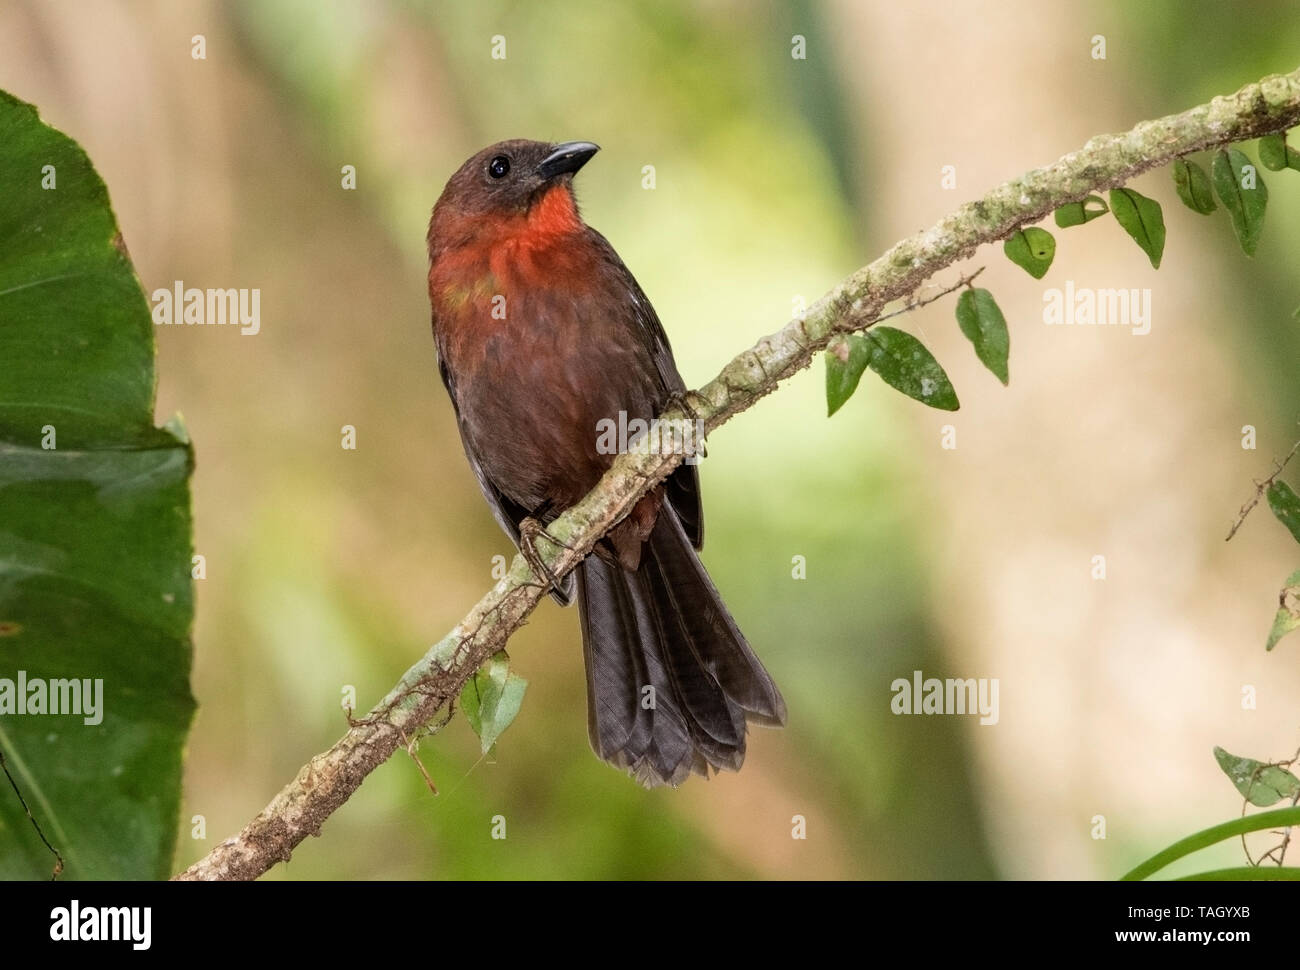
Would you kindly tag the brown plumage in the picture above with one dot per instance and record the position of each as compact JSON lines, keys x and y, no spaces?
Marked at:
{"x":542,"y":332}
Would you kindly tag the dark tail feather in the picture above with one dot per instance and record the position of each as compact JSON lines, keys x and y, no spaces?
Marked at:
{"x":665,"y":627}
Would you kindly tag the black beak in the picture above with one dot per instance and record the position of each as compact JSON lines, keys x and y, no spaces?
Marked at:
{"x":566,"y":159}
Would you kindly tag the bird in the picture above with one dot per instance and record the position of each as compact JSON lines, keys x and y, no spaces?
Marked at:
{"x":542,"y":333}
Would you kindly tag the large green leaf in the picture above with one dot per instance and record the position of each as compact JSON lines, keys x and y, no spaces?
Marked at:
{"x":94,"y":529}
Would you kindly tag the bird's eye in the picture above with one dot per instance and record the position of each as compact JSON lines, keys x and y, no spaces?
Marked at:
{"x":499,"y":167}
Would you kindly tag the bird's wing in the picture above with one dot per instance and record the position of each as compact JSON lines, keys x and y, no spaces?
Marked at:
{"x":507,"y":513}
{"x":683,"y":486}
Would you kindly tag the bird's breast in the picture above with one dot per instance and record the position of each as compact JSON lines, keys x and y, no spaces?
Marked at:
{"x":541,"y":352}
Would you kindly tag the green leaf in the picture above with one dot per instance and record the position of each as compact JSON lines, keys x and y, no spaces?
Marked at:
{"x":1193,"y":186}
{"x":1276,"y":154}
{"x":1142,"y":219}
{"x":1286,"y":506}
{"x":982,"y":322}
{"x":1259,"y":783}
{"x":1288,"y":611}
{"x":94,"y":529}
{"x":469,"y":702}
{"x":846,"y":359}
{"x":1032,"y":250}
{"x":1079,"y":213}
{"x":491,"y":699}
{"x":1260,"y":873}
{"x":904,"y":364}
{"x":1246,"y":205}
{"x":1257,"y":822}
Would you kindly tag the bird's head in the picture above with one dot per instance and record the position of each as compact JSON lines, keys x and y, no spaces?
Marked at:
{"x":515,"y":186}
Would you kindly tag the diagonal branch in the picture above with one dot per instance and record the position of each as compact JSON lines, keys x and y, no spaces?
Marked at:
{"x":1106,"y":161}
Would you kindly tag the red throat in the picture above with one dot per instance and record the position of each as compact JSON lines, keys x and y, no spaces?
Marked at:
{"x":515,"y":251}
{"x":553,"y":215}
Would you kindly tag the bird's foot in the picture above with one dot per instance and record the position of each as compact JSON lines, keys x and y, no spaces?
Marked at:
{"x":684,"y":400}
{"x":530,"y":530}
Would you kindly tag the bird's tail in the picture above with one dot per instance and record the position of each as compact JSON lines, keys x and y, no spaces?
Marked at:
{"x":671,"y":681}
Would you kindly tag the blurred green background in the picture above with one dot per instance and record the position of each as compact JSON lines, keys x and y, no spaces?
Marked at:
{"x":774,"y":178}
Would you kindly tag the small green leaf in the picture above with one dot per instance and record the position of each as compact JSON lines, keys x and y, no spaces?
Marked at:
{"x":1032,"y":250}
{"x":1286,"y":506}
{"x":1193,"y":186}
{"x":1276,"y":154}
{"x":469,"y":703}
{"x":1272,"y":151}
{"x":1288,"y":611}
{"x":1243,"y":193}
{"x":1259,"y":783}
{"x":1142,"y":219}
{"x":903,"y":363}
{"x":491,"y":699}
{"x":846,"y":359}
{"x":512,"y":698}
{"x":982,"y":322}
{"x":1078,"y":213}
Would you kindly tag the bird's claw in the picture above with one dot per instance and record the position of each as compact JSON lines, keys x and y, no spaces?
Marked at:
{"x":529,"y":532}
{"x":682,"y":399}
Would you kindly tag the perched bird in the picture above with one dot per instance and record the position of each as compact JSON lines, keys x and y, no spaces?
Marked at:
{"x":542,"y":333}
